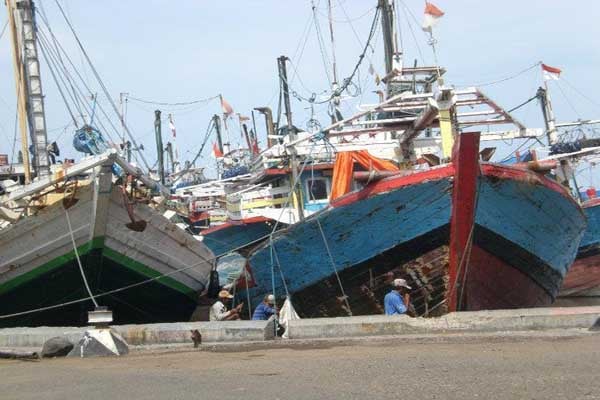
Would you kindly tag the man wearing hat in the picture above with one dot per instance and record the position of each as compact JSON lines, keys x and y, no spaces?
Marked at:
{"x":219,"y":312}
{"x":265,"y":309}
{"x":396,"y":301}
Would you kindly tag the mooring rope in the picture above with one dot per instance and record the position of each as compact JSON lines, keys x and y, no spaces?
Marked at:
{"x":85,"y":282}
{"x":334,"y":267}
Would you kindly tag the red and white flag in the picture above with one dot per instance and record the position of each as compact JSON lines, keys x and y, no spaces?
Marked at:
{"x":226,"y":107}
{"x":216,"y":151}
{"x":432,"y":16}
{"x":172,"y":126}
{"x":550,"y":73}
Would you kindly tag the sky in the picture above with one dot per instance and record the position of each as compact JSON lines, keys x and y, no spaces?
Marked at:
{"x":165,"y":51}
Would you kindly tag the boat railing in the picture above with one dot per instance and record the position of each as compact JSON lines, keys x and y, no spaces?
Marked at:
{"x":240,"y":204}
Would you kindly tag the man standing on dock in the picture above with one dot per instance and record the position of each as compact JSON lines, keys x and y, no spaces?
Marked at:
{"x":397,"y":300}
{"x":218,"y":311}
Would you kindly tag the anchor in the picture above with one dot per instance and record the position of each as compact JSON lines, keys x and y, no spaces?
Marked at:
{"x":136,"y":226}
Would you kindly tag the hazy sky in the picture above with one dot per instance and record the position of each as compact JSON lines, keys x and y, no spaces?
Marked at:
{"x":177,"y":51}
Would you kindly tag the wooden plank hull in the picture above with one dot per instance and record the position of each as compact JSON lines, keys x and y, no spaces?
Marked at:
{"x":383,"y":230}
{"x":230,"y":236}
{"x":583,"y":278}
{"x":38,"y":267}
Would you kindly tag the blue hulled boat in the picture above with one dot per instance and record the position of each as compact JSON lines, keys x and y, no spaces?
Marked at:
{"x":583,"y":278}
{"x":525,"y":237}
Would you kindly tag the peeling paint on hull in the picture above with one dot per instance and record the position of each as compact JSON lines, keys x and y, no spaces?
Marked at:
{"x":584,"y":276}
{"x":527,"y":232}
{"x":229,"y":237}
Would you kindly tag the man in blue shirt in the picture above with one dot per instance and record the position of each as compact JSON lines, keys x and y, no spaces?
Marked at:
{"x":265,"y":309}
{"x":394,"y":301}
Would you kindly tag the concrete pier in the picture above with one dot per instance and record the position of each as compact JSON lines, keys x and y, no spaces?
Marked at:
{"x":532,"y":319}
{"x":248,"y":332}
{"x":150,"y":334}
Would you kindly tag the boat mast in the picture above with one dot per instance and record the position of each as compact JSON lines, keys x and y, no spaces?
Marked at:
{"x":334,"y":84}
{"x":35,"y":95}
{"x":291,"y":131}
{"x":266,"y":111}
{"x":20,"y":87}
{"x":159,"y":146}
{"x":393,"y":55}
{"x":217,"y":124}
{"x":226,"y":145}
{"x":548,"y":114}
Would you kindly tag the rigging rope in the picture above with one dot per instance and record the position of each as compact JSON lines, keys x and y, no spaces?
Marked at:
{"x":85,"y":282}
{"x":334,"y":267}
{"x":513,"y":76}
{"x":54,"y":61}
{"x":407,"y":13}
{"x":59,"y":49}
{"x":58,"y":62}
{"x":185,"y":103}
{"x":349,"y":79}
{"x":348,"y":20}
{"x":101,"y":83}
{"x":579,"y":92}
{"x":523,"y":104}
{"x":60,"y":90}
{"x":324,"y":56}
{"x":206,"y":136}
{"x":3,"y":29}
{"x":568,"y":101}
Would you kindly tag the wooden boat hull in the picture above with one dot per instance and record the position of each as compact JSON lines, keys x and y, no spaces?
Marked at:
{"x":392,"y":227}
{"x":38,"y":266}
{"x":583,"y":278}
{"x":223,"y":239}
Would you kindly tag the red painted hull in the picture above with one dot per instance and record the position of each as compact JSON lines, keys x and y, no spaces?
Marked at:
{"x":493,"y":284}
{"x":584,"y":276}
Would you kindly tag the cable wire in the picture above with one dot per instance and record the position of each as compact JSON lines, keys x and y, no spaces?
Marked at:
{"x":508,"y":78}
{"x":185,"y":103}
{"x":101,"y":83}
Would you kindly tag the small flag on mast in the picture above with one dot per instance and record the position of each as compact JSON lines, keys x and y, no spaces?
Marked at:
{"x":226,"y":107}
{"x":432,"y":16}
{"x":550,"y":73}
{"x":216,"y":151}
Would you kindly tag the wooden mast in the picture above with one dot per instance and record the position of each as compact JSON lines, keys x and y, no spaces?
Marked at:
{"x":393,"y":55}
{"x":20,"y":87}
{"x":291,"y":131}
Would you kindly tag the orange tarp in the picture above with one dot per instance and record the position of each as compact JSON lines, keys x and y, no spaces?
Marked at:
{"x":344,"y":167}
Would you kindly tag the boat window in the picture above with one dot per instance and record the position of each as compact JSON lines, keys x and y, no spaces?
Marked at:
{"x":317,"y":189}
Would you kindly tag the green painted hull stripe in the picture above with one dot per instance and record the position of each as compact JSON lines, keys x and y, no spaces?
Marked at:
{"x":148,"y":272}
{"x":51,"y":265}
{"x":96,"y":243}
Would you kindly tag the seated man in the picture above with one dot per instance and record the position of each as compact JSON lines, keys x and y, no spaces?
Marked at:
{"x":396,"y":301}
{"x":265,"y":309}
{"x":218,"y":311}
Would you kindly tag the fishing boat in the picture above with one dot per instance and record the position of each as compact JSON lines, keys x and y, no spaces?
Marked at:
{"x":466,"y":233}
{"x":583,"y":279}
{"x":76,"y":236}
{"x":140,"y":265}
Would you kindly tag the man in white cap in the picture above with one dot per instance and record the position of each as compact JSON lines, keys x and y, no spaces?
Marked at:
{"x":219,"y":312}
{"x":396,"y":301}
{"x":265,"y":309}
